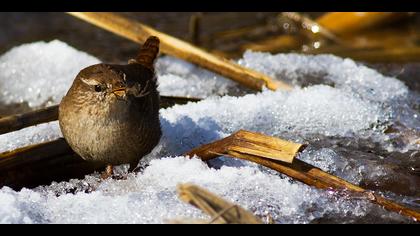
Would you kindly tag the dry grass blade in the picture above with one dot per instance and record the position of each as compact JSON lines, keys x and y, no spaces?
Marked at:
{"x":138,"y":32}
{"x":221,"y":211}
{"x":24,"y":120}
{"x":301,"y":171}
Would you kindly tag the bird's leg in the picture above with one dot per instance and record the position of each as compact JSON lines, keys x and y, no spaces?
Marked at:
{"x":109,"y":172}
{"x":133,"y":167}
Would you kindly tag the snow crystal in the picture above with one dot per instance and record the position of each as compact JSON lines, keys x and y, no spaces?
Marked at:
{"x":298,"y":114}
{"x":31,"y":135}
{"x":334,"y":98}
{"x":343,"y":74}
{"x":180,"y":78}
{"x":40,"y":73}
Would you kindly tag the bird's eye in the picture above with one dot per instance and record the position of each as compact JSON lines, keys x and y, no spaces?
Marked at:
{"x":98,"y":88}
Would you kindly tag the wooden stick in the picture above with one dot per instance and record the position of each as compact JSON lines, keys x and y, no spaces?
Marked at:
{"x":20,"y":121}
{"x":138,"y":32}
{"x":41,"y":164}
{"x":303,"y":172}
{"x":33,"y":153}
{"x":221,"y":211}
{"x":24,"y":120}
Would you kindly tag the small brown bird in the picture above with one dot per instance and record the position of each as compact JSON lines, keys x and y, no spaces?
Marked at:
{"x":110,"y":115}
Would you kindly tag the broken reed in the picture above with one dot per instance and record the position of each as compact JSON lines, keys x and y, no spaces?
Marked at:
{"x":170,"y":45}
{"x":24,"y":120}
{"x":220,"y":210}
{"x":292,"y":167}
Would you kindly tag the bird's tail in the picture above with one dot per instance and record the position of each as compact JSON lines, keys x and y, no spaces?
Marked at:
{"x":148,"y":53}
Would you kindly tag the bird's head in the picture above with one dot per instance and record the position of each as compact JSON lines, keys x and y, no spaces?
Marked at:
{"x":114,"y":83}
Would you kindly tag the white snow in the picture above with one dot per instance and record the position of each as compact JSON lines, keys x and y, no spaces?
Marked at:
{"x":345,"y":100}
{"x":31,"y":135}
{"x":180,"y":78}
{"x":151,"y":197}
{"x":40,"y":72}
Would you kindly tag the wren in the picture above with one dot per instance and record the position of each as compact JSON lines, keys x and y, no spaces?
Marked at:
{"x":110,"y":115}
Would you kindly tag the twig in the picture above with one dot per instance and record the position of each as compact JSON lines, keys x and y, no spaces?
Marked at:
{"x":138,"y":32}
{"x":220,"y":210}
{"x":301,"y":171}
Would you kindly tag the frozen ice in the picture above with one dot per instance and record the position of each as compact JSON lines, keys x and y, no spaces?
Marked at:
{"x":335,"y":100}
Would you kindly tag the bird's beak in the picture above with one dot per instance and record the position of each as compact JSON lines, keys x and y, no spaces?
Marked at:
{"x":119,"y":92}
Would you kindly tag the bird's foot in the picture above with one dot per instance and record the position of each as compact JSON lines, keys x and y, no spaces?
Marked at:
{"x":120,"y":177}
{"x":109,"y":172}
{"x":136,"y":168}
